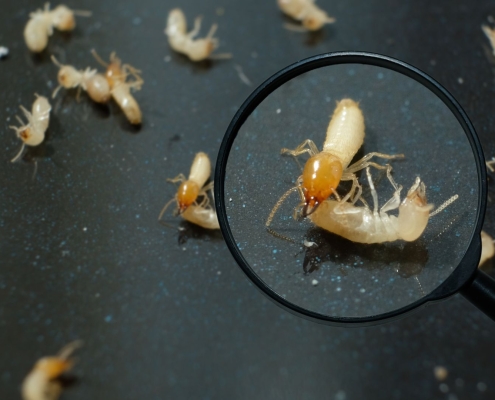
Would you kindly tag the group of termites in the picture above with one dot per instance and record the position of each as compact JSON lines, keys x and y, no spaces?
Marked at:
{"x":321,"y":199}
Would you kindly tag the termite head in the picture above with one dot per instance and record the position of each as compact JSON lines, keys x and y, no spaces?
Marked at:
{"x":187,"y":195}
{"x":176,"y":22}
{"x":68,"y":76}
{"x":414,"y":212}
{"x":316,"y":20}
{"x":114,"y":71}
{"x":63,"y":18}
{"x":320,"y":178}
{"x":53,"y":367}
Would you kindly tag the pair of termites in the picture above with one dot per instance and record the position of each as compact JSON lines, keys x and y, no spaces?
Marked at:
{"x":41,"y":24}
{"x":194,"y":188}
{"x":101,"y":87}
{"x":183,"y":42}
{"x":311,"y":16}
{"x":323,"y":172}
{"x":42,"y":382}
{"x":33,"y":132}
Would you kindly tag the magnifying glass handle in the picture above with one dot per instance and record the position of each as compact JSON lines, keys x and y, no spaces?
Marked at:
{"x":481,"y":293}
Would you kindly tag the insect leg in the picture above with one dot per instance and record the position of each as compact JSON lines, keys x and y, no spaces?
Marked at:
{"x":308,"y":146}
{"x":373,"y":191}
{"x":178,"y":178}
{"x":364,"y":162}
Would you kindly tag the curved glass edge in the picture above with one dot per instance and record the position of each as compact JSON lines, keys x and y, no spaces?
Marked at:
{"x":469,"y":263}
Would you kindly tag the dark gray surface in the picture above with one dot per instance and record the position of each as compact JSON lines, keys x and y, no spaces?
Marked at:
{"x":401,"y":116}
{"x":158,"y":320}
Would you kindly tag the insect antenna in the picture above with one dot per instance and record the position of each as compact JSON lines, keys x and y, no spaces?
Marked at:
{"x":82,"y":13}
{"x":19,"y":154}
{"x":165,"y":208}
{"x":98,"y":58}
{"x":444,"y":205}
{"x":278,"y":204}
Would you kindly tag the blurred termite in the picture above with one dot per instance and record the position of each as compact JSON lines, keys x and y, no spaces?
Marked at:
{"x":89,"y":80}
{"x":324,"y":170}
{"x":42,"y":382}
{"x":33,"y":133}
{"x":41,"y":23}
{"x":487,"y":248}
{"x":190,"y":190}
{"x":183,"y":42}
{"x":490,"y":34}
{"x":116,"y":75}
{"x":311,"y":16}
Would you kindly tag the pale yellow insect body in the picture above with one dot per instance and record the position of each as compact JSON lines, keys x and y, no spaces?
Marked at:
{"x":487,"y":248}
{"x":199,"y":213}
{"x":120,"y":89}
{"x":363,"y":225}
{"x":33,"y":133}
{"x":183,"y":42}
{"x":41,"y":24}
{"x":312,"y":17}
{"x":89,"y":80}
{"x":490,"y":34}
{"x":41,"y":383}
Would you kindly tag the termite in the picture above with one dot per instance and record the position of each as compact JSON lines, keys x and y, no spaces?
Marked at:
{"x":41,"y":23}
{"x":312,"y":17}
{"x":116,"y":75}
{"x":324,"y":170}
{"x":363,"y":225}
{"x":190,"y":190}
{"x":33,"y":133}
{"x":183,"y":42}
{"x":88,"y":80}
{"x":42,"y":383}
{"x":487,"y":248}
{"x":490,"y":34}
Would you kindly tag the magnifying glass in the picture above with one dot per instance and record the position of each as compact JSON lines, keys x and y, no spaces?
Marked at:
{"x":348,"y":256}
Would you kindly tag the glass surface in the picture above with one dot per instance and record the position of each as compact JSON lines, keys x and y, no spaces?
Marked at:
{"x":337,"y":277}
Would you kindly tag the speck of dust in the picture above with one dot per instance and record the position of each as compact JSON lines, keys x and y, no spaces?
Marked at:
{"x":460,"y":80}
{"x":481,"y":386}
{"x":440,"y":372}
{"x":108,"y":318}
{"x":338,"y":289}
{"x":279,"y":110}
{"x":85,"y":229}
{"x":444,"y":388}
{"x":340,"y":395}
{"x":219,"y":272}
{"x":314,"y":282}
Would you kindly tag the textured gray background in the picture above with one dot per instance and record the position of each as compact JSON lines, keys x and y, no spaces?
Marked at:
{"x":83,"y":256}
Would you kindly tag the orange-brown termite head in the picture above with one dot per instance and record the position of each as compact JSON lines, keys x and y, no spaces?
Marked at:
{"x":114,"y":71}
{"x":187,"y":194}
{"x":320,"y":178}
{"x":63,"y":18}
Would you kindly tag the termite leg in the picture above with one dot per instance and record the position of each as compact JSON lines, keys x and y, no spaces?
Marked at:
{"x":19,"y":154}
{"x":196,"y":28}
{"x":364,"y":162}
{"x":394,"y":202}
{"x":308,"y":146}
{"x":373,"y":191}
{"x":27,"y":114}
{"x":178,"y":178}
{"x":212,"y":31}
{"x":67,"y":350}
{"x":98,"y":58}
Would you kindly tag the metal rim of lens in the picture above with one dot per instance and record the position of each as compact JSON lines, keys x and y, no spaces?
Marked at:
{"x":459,"y":277}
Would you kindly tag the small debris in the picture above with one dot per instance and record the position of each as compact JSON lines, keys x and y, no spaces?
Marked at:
{"x":220,"y":11}
{"x":230,"y":199}
{"x":309,"y":244}
{"x":460,"y":80}
{"x":481,"y":386}
{"x":279,"y":110}
{"x":314,"y":282}
{"x":167,"y":59}
{"x":4,"y":52}
{"x":440,"y":373}
{"x":444,"y":388}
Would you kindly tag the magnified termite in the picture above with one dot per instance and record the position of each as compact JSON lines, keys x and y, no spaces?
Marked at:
{"x":41,"y":23}
{"x":490,"y":34}
{"x":183,"y":42}
{"x":120,"y":89}
{"x":311,"y":16}
{"x":33,"y":132}
{"x":42,"y":382}
{"x":191,"y":190}
{"x":364,"y":225}
{"x":89,"y":80}
{"x":325,"y":169}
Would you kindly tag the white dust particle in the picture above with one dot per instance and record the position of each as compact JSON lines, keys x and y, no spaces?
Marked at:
{"x":440,"y":372}
{"x":167,"y":59}
{"x":309,"y":244}
{"x":4,"y":51}
{"x":85,"y":229}
{"x":481,"y":386}
{"x":279,"y":110}
{"x":460,"y":80}
{"x":444,"y":388}
{"x":314,"y":282}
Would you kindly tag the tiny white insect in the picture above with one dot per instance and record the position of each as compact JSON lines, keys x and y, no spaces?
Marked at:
{"x":490,"y":34}
{"x":33,"y":133}
{"x":89,"y":80}
{"x":120,"y":89}
{"x":363,"y":225}
{"x":199,"y":213}
{"x":41,"y":383}
{"x":183,"y":42}
{"x":41,"y":23}
{"x":312,"y":17}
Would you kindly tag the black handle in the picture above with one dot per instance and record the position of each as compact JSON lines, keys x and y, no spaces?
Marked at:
{"x":481,"y":292}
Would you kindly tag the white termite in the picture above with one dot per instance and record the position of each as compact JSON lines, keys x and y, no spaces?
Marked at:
{"x":487,"y":248}
{"x":364,"y":225}
{"x":311,"y":16}
{"x":190,"y":190}
{"x":120,"y":89}
{"x":33,"y":132}
{"x":490,"y":34}
{"x":41,"y":383}
{"x":183,"y":42}
{"x":89,"y":80}
{"x":324,"y":170}
{"x":41,"y":23}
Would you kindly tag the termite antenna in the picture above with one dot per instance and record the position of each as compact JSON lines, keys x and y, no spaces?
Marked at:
{"x":56,"y":62}
{"x":18,"y":154}
{"x":212,"y":31}
{"x":221,"y":56}
{"x":82,"y":13}
{"x":444,"y":205}
{"x":67,"y":350}
{"x":98,"y":58}
{"x":165,"y":208}
{"x":295,"y":28}
{"x":280,"y":236}
{"x":278,"y":204}
{"x":56,"y":91}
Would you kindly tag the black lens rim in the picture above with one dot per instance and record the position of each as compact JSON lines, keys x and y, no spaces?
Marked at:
{"x":461,"y":276}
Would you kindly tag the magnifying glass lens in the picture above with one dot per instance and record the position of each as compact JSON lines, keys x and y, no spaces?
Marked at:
{"x":350,"y":253}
